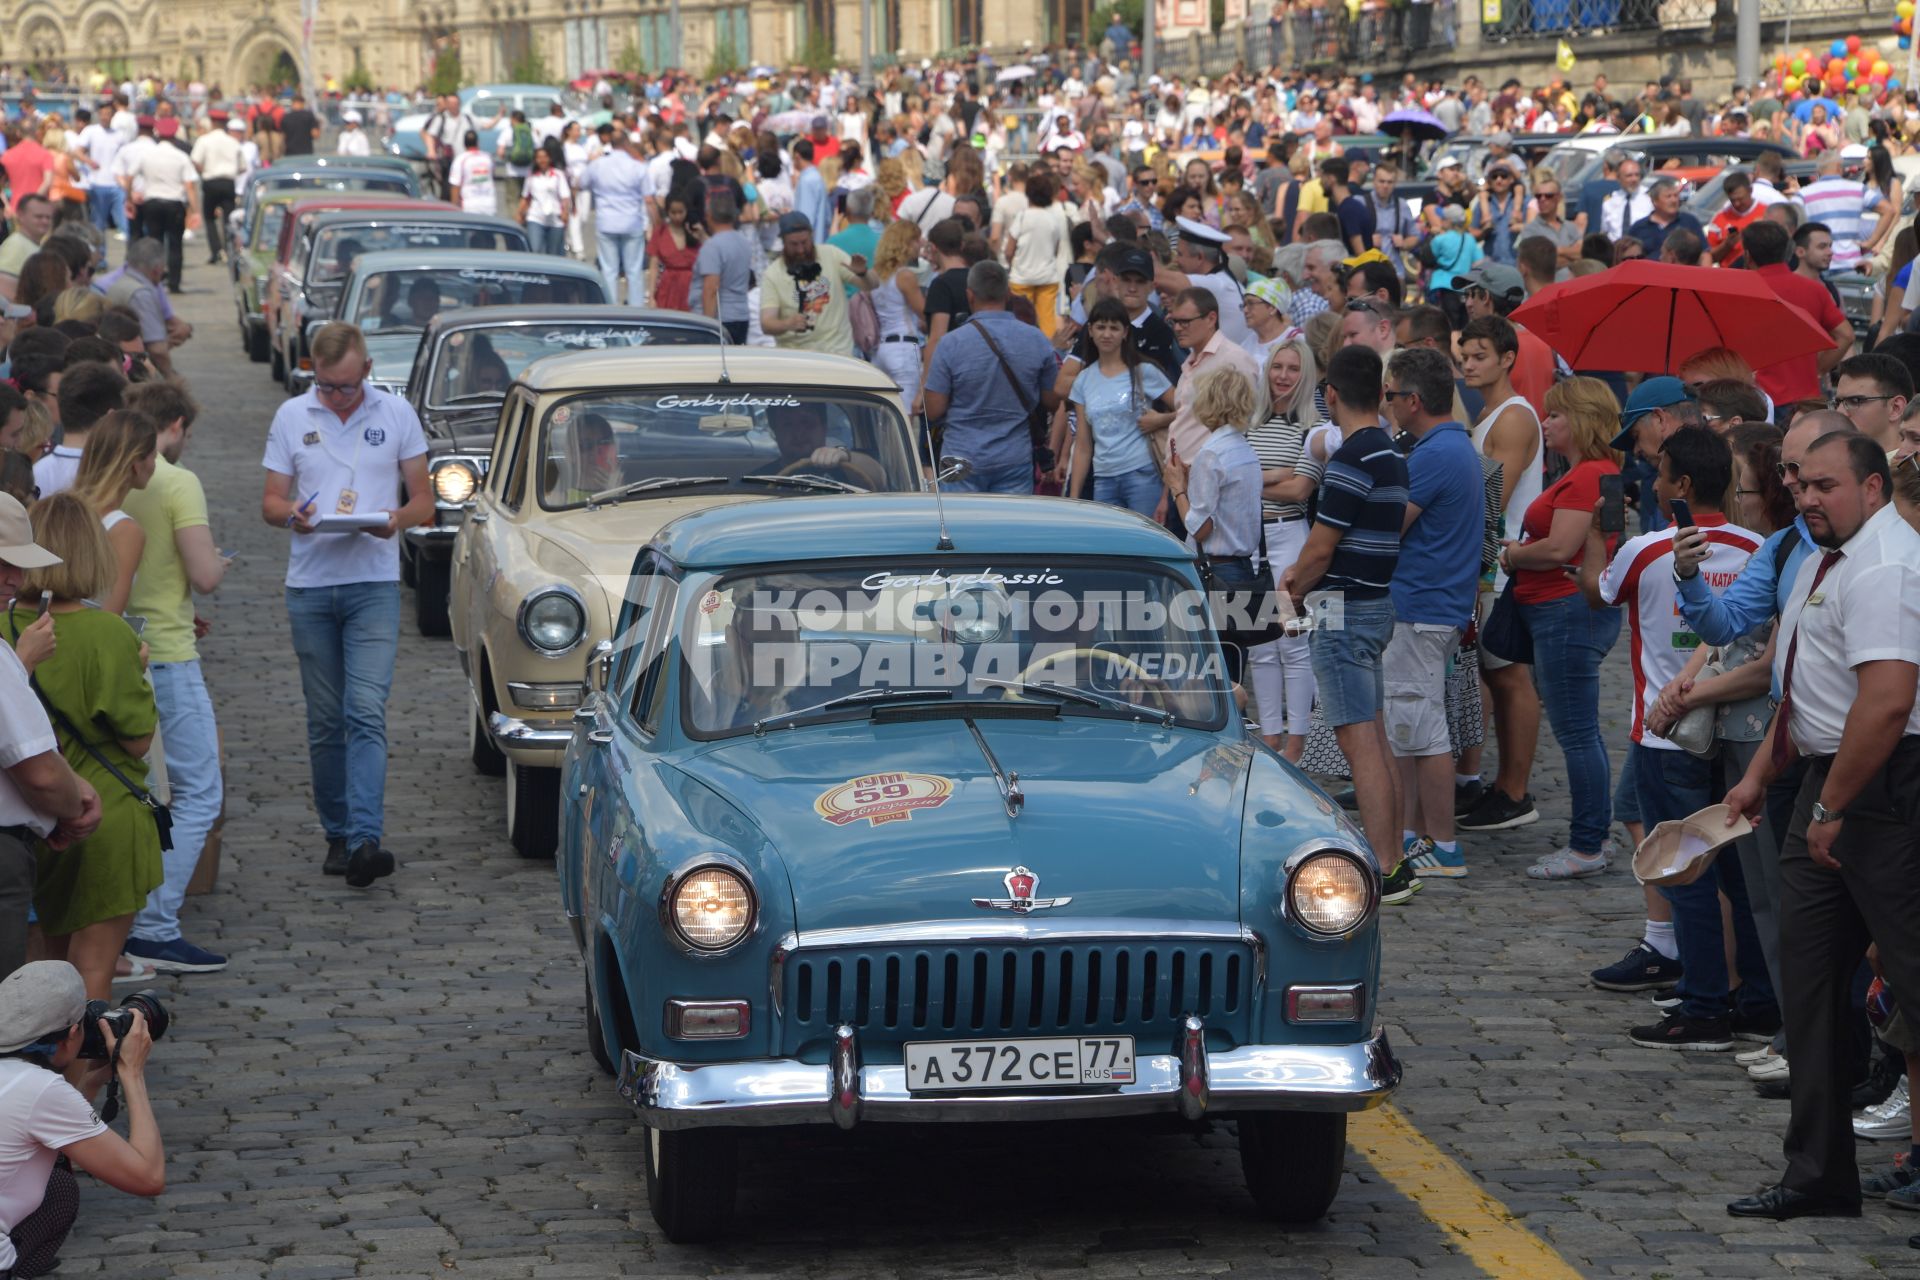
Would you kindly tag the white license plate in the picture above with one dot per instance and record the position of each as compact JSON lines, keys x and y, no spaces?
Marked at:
{"x":1073,"y":1062}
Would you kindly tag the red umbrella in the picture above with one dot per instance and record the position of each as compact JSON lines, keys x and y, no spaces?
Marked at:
{"x":1650,"y":317}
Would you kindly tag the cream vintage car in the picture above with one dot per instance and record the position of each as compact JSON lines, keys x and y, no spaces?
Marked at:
{"x":594,"y":452}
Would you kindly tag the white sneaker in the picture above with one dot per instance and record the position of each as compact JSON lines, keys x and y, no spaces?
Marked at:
{"x":1892,"y":1120}
{"x":1774,"y":1068}
{"x":1752,"y":1057}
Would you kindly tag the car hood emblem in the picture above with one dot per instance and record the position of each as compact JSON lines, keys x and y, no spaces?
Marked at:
{"x":1022,"y":886}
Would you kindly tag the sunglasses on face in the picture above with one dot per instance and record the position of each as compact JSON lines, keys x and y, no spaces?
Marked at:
{"x":338,"y":388}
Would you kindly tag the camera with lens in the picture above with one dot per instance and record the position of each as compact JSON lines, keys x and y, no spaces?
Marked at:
{"x":93,"y":1042}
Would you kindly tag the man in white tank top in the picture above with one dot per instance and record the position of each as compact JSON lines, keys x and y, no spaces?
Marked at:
{"x":1509,"y":433}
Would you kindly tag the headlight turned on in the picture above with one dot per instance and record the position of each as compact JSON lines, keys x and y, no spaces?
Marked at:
{"x":713,"y":908}
{"x":553,"y":623}
{"x":454,"y":483}
{"x":1330,"y":893}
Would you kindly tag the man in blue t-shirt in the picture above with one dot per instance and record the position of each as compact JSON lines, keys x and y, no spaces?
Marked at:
{"x":1348,"y":563}
{"x":986,"y":380}
{"x":1433,"y":593}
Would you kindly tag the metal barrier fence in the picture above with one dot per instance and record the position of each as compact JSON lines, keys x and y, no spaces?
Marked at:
{"x":1382,"y":37}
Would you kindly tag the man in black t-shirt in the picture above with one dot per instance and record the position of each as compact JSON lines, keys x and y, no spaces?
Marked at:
{"x":947,"y":306}
{"x":300,"y":127}
{"x":1125,"y":272}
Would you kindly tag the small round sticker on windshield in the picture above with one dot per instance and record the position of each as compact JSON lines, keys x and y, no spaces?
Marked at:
{"x":457,"y":340}
{"x":562,"y":416}
{"x":710,"y":603}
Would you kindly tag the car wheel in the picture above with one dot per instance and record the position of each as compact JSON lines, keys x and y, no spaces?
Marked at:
{"x":691,"y":1175}
{"x":406,"y":564}
{"x":488,"y":760}
{"x":596,"y":1035}
{"x":259,"y":349}
{"x":430,"y":587}
{"x":533,"y":809}
{"x":1292,"y":1161}
{"x":278,"y":367}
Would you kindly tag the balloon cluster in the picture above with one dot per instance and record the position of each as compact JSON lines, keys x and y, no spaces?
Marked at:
{"x":1846,"y":66}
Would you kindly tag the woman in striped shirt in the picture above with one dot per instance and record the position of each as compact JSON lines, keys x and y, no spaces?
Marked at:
{"x":1282,"y":673}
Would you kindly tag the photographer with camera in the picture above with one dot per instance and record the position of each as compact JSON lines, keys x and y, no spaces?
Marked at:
{"x":46,"y":1124}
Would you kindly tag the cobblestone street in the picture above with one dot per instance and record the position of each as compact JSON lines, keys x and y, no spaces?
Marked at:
{"x":395,"y":1081}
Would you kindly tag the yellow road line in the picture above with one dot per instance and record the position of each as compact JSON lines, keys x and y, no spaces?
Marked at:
{"x":1484,"y":1229}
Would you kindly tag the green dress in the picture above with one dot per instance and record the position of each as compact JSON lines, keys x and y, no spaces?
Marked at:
{"x":96,"y":680}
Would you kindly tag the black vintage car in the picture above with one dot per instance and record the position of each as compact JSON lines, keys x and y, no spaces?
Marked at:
{"x":465,"y":363}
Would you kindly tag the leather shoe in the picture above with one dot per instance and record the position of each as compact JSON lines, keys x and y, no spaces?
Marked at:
{"x":1781,"y":1203}
{"x":367,"y":863}
{"x":336,"y":863}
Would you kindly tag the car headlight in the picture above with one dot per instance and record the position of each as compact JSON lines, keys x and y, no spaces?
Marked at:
{"x":553,"y":621}
{"x":454,"y":483}
{"x":713,"y":908}
{"x":1329,"y":893}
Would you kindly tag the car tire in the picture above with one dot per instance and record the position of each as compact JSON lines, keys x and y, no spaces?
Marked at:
{"x":277,"y":366}
{"x":691,"y":1179}
{"x":533,"y":809}
{"x":488,"y":760}
{"x":596,"y":1034}
{"x":1292,"y":1161}
{"x":431,"y":583}
{"x":259,"y":348}
{"x":406,"y":564}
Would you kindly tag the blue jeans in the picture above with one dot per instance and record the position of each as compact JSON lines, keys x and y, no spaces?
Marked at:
{"x":622,"y":254}
{"x":1348,"y":661}
{"x":1135,"y":490}
{"x":107,"y":206}
{"x":1569,"y":642}
{"x":1673,"y":784}
{"x":192,"y":745}
{"x":1009,"y":477}
{"x":346,"y":638}
{"x":544,"y":239}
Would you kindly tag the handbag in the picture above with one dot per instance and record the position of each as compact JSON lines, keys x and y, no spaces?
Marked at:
{"x":1043,"y":459}
{"x":162,"y":815}
{"x":1504,"y":634}
{"x":1693,"y":732}
{"x":1260,"y":601}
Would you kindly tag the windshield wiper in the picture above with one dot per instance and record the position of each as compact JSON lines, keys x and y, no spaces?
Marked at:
{"x":1085,"y":697}
{"x":474,"y":395}
{"x":859,"y":698}
{"x":658,"y":482}
{"x":806,"y":482}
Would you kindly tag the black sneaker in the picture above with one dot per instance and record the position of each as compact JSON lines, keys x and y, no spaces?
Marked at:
{"x":1496,"y":812}
{"x":1399,"y":885}
{"x":336,"y":863}
{"x":1678,"y":1031}
{"x":1641,"y":969}
{"x":1466,"y":795}
{"x":1901,"y":1175}
{"x":1759,"y":1029}
{"x":368,"y":863}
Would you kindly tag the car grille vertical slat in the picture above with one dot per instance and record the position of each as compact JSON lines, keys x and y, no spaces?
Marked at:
{"x":892,"y":998}
{"x":949,"y":990}
{"x":1181,"y":1003}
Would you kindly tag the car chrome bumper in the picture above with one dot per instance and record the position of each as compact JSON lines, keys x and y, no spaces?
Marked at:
{"x":511,"y":733}
{"x":1191,"y":1082}
{"x":433,"y":538}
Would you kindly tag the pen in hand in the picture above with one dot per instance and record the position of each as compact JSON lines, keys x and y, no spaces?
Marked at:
{"x":295,"y":513}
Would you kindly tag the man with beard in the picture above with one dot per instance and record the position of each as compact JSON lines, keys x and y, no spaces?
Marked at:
{"x":804,"y":295}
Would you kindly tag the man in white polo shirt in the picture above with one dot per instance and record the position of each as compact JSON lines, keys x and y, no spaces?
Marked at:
{"x":336,"y":459}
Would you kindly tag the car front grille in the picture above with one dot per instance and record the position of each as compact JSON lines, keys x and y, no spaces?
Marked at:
{"x":906,"y":992}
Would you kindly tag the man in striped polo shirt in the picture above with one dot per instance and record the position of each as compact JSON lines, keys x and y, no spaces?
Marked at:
{"x":1349,"y":560}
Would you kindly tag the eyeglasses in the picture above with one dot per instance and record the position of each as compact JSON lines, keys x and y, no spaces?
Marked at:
{"x":1544,"y":196}
{"x":1787,"y":471}
{"x":1847,"y":403}
{"x":339,"y":388}
{"x":1181,"y":322}
{"x":1368,"y":305}
{"x":1746,"y":493}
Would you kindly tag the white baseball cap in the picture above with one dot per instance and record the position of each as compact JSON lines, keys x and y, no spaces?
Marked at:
{"x":17,"y":546}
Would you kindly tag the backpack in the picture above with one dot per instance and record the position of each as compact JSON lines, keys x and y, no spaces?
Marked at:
{"x":865,"y":323}
{"x":520,"y":150}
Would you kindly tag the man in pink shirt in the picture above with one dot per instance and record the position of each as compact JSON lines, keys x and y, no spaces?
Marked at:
{"x":29,"y":166}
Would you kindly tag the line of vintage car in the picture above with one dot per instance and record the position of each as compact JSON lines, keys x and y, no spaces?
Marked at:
{"x":867,"y":803}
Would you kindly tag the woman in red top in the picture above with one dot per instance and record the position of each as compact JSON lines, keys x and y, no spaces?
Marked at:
{"x":1570,"y":639}
{"x":670,"y":254}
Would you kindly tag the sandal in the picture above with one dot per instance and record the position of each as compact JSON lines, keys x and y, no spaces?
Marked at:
{"x":133,"y":969}
{"x":1565,"y":864}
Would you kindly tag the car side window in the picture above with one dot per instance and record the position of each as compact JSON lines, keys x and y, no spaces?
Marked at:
{"x":650,"y":636}
{"x":513,"y":486}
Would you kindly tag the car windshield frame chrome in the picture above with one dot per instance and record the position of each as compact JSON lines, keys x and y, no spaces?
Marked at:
{"x":434,"y":358}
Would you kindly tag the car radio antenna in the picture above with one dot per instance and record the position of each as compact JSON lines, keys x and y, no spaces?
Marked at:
{"x":726,"y":378}
{"x":942,"y":469}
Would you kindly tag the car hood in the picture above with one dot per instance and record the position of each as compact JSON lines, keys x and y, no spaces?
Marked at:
{"x":601,"y":544}
{"x":1126,"y":820}
{"x":392,"y":356}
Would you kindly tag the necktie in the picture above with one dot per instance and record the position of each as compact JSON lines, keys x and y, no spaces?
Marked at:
{"x":1782,"y":749}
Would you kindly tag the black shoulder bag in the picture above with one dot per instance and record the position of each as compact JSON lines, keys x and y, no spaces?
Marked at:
{"x":1037,"y":416}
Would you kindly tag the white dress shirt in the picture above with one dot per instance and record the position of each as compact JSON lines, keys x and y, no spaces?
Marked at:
{"x":1867,"y":610}
{"x":1616,"y":217}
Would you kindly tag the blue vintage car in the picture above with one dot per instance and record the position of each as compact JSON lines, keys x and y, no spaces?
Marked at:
{"x":876,"y":814}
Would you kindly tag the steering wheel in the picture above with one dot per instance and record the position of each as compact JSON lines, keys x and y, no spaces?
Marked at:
{"x":845,"y":473}
{"x":1149,"y":686}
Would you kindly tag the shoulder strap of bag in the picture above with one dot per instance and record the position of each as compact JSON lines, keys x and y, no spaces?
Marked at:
{"x":138,"y":792}
{"x":1012,"y":381}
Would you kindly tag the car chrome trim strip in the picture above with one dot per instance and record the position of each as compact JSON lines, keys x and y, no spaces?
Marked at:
{"x":513,"y":732}
{"x":1195,"y":1086}
{"x":1345,"y":1077}
{"x":1022,"y":929}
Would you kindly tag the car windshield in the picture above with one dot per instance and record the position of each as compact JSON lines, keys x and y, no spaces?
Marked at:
{"x":771,"y":647}
{"x":335,"y":248}
{"x":472,"y":364}
{"x":761,"y":440}
{"x":408,"y":299}
{"x":1567,"y":163}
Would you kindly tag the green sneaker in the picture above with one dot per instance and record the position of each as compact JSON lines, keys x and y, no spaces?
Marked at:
{"x":1398,"y":885}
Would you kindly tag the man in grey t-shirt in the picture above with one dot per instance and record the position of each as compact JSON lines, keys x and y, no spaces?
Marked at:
{"x":724,"y":268}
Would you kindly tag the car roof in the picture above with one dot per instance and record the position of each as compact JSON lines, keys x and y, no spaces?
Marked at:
{"x":363,"y":202}
{"x":748,"y":366}
{"x":410,"y":210}
{"x":385,"y":172}
{"x":587,"y":313}
{"x":1657,"y":143}
{"x":864,"y":526}
{"x":493,"y":260}
{"x":496,"y":90}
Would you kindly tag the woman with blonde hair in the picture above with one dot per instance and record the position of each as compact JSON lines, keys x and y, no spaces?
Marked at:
{"x":1281,"y":674}
{"x":1570,"y":637}
{"x":86,"y":894}
{"x":1217,"y":491}
{"x":122,"y":451}
{"x":890,"y":176}
{"x":1715,"y":363}
{"x":68,"y":195}
{"x":79,"y":303}
{"x":898,"y":303}
{"x":36,"y":431}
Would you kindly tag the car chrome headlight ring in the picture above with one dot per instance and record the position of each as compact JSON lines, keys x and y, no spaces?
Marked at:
{"x":455,"y":481}
{"x":553,"y":622}
{"x":1330,"y":892}
{"x":710,"y":907}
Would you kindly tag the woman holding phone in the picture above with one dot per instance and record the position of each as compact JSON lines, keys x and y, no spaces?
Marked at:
{"x":122,"y":451}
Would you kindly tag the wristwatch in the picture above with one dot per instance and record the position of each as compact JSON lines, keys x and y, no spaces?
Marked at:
{"x":1823,"y":814}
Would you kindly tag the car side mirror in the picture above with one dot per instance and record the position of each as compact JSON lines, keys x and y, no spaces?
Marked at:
{"x":600,"y":667}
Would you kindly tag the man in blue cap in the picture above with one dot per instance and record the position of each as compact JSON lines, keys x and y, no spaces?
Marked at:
{"x":1657,"y":408}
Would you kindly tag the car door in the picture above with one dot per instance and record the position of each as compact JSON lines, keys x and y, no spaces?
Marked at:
{"x":474,"y":557}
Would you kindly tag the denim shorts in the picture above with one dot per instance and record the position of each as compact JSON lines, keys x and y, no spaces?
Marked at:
{"x":1348,"y":668}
